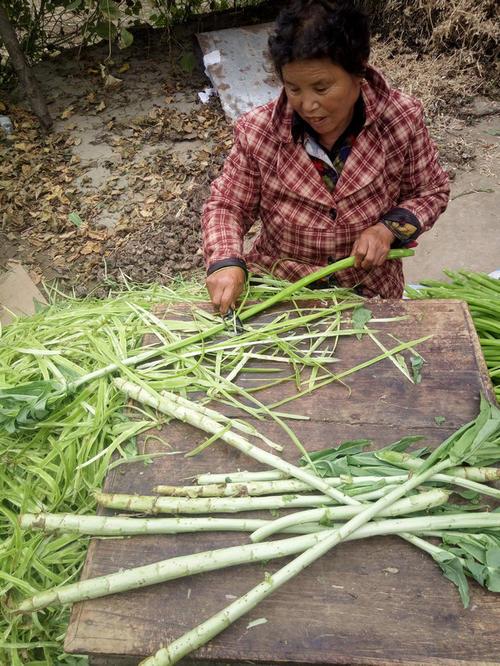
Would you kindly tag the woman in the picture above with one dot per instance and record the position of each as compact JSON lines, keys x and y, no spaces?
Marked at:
{"x":339,"y":165}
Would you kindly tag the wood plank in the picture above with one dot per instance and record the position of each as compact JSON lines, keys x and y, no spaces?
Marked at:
{"x":376,"y":602}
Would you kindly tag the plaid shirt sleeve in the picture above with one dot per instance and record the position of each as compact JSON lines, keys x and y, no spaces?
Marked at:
{"x":424,"y":190}
{"x":232,"y":206}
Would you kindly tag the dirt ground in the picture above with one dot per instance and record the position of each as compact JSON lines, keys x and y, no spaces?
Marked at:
{"x":116,"y":190}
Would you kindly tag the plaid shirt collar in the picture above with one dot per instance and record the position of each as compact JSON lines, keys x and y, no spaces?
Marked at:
{"x":375,"y":92}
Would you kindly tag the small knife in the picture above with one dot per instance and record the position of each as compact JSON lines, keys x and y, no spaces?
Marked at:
{"x":233,"y":322}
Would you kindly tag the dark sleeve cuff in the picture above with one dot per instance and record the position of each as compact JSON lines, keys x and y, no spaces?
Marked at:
{"x":226,"y":263}
{"x":403,"y":224}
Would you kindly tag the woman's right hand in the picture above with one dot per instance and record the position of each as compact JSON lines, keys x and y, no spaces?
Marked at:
{"x":224,"y":287}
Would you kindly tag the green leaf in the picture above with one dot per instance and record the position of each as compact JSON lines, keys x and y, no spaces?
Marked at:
{"x":75,"y":219}
{"x":493,"y":557}
{"x":188,"y":62}
{"x":493,"y":580}
{"x":469,"y":545}
{"x":106,"y":30}
{"x":401,"y":361}
{"x":130,"y":448}
{"x":452,"y":568}
{"x":345,"y":448}
{"x":417,"y":363}
{"x":360,"y":317}
{"x":478,"y":571}
{"x":439,"y":420}
{"x":402,"y":444}
{"x":470,"y":495}
{"x":39,"y":306}
{"x":326,"y":522}
{"x":334,"y":460}
{"x":126,"y":38}
{"x":465,"y":444}
{"x":73,"y":5}
{"x":22,"y":406}
{"x":109,"y":9}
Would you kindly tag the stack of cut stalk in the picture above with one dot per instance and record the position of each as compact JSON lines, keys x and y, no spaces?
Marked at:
{"x":482,"y":294}
{"x":363,"y":495}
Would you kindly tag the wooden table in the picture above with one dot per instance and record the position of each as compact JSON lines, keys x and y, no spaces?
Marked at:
{"x":373,"y":602}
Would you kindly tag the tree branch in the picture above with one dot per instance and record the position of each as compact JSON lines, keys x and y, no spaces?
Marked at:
{"x":24,"y":73}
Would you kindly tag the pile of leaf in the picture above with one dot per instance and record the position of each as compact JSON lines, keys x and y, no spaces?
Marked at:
{"x":57,"y":465}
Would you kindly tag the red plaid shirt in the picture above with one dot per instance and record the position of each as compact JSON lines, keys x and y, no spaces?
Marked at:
{"x":393,"y":166}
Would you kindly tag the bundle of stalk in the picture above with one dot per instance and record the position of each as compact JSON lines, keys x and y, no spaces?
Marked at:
{"x":470,"y":539}
{"x":482,"y":294}
{"x":62,"y":420}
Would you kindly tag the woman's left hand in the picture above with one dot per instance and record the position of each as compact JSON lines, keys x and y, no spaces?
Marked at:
{"x":372,"y":246}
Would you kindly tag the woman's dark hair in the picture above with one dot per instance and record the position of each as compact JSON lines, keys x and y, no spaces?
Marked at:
{"x":309,"y":29}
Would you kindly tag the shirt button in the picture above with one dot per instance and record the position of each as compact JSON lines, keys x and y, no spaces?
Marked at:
{"x":333,"y":213}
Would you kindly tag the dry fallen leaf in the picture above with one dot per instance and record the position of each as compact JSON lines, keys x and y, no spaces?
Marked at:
{"x":57,"y":193}
{"x":100,"y":107}
{"x":111,"y":82}
{"x":67,"y":113}
{"x":90,"y":247}
{"x":97,"y":235}
{"x":25,"y":147}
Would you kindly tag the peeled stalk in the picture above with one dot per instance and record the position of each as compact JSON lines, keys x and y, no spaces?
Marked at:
{"x":154,"y":504}
{"x":479,"y":474}
{"x":188,"y":415}
{"x":321,"y":274}
{"x":257,"y":488}
{"x":68,"y":523}
{"x":461,"y":478}
{"x":188,"y":565}
{"x":217,"y":416}
{"x":325,"y":541}
{"x":415,"y":503}
{"x":475,"y":441}
{"x":124,"y":526}
{"x":241,"y":477}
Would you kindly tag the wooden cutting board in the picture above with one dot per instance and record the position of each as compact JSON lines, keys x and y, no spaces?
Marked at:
{"x":378,"y":601}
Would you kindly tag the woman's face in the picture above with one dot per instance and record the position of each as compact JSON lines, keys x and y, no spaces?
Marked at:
{"x":322,"y":93}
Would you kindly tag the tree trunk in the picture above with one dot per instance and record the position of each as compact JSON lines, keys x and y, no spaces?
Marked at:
{"x":24,"y":73}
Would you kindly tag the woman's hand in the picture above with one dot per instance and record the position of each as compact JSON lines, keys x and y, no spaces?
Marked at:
{"x":372,"y":246}
{"x":224,"y":287}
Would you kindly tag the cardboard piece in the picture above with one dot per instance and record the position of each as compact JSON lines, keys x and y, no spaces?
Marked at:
{"x":18,"y":293}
